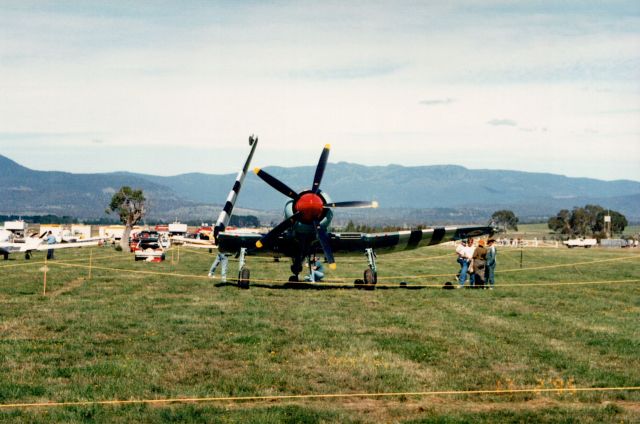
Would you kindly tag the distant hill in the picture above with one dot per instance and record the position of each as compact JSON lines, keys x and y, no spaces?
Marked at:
{"x":441,"y":193}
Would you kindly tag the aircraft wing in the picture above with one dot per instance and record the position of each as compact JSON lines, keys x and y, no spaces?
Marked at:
{"x":403,"y":240}
{"x":43,"y":246}
{"x":232,"y":242}
{"x":346,"y":243}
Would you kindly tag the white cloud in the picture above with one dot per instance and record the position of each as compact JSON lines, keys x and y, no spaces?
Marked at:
{"x":370,"y":80}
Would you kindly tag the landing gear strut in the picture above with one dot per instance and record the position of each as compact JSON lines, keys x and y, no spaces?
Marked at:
{"x":296,"y":268}
{"x":371,"y":273}
{"x":243,"y":272}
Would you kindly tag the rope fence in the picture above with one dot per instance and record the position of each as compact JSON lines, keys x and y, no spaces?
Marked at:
{"x":384,"y":281}
{"x":571,"y":390}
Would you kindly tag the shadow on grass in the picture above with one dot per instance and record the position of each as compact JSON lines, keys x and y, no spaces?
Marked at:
{"x":311,"y":286}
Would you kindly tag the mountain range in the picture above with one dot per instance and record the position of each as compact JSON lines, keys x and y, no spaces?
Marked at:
{"x":407,"y":195}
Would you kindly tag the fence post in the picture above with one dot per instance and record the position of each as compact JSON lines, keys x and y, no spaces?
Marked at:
{"x":521,"y":253}
{"x":44,"y":282}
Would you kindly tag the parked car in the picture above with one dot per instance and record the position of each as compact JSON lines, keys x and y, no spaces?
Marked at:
{"x":581,"y":242}
{"x":151,"y":249}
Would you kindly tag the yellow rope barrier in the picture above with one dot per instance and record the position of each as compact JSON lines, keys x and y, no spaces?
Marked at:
{"x":22,"y":264}
{"x":316,"y":396}
{"x":342,"y":282}
{"x":348,"y":280}
{"x":132,"y":271}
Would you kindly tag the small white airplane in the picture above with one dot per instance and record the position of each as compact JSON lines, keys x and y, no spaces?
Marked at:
{"x":9,"y":244}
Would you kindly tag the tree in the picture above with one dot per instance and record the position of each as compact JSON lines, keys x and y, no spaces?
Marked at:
{"x":618,"y":221}
{"x":505,"y":219}
{"x":580,"y":221}
{"x":560,"y":222}
{"x":129,"y":204}
{"x":244,"y":221}
{"x":586,"y":221}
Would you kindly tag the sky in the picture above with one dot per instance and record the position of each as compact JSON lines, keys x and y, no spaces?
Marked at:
{"x":170,"y":87}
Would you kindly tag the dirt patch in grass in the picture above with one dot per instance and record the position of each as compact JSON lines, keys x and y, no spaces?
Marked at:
{"x":68,"y":287}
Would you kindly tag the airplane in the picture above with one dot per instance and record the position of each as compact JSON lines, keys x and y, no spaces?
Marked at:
{"x":28,"y":245}
{"x":305,"y":229}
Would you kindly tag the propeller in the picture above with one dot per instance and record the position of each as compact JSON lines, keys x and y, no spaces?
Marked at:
{"x":352,"y":204}
{"x":322,"y":164}
{"x":309,"y":207}
{"x":323,"y":237}
{"x":276,"y":183}
{"x":277,"y":230}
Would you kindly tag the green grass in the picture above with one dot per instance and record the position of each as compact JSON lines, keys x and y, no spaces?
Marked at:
{"x":124,"y":335}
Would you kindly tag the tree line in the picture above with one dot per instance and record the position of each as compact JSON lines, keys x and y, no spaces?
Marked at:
{"x":587,"y":221}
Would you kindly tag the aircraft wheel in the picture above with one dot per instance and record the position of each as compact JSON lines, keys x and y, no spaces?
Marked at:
{"x":6,"y":256}
{"x":370,"y":279}
{"x":293,"y":279}
{"x":27,"y":256}
{"x":243,"y":278}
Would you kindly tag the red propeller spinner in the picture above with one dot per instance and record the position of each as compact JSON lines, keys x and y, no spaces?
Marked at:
{"x":310,"y":206}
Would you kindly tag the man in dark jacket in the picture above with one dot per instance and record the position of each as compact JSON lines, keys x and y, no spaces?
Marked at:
{"x":479,"y":263}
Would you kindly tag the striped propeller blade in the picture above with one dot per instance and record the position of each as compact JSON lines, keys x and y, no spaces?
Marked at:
{"x":227,"y":210}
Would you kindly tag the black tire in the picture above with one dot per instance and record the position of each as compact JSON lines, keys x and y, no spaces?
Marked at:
{"x":369,"y":279}
{"x":243,"y":278}
{"x":6,"y":256}
{"x":27,"y":256}
{"x":293,"y":279}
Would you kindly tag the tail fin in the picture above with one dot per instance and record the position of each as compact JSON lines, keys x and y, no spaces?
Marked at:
{"x":225,"y":214}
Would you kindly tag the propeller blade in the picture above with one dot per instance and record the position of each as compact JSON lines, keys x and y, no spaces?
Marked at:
{"x":322,"y":164}
{"x":353,"y":204}
{"x":323,"y":237}
{"x":277,"y":230}
{"x":276,"y":183}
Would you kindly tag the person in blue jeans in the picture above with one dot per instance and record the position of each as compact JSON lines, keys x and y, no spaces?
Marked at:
{"x":221,"y":258}
{"x":491,"y":264}
{"x":317,"y":270}
{"x":464,"y":261}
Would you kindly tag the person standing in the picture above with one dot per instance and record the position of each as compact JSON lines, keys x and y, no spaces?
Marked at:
{"x":464,"y":259}
{"x":51,"y":239}
{"x":479,"y":263}
{"x":468,"y":251}
{"x":317,"y":270}
{"x":221,"y":258}
{"x":491,"y":264}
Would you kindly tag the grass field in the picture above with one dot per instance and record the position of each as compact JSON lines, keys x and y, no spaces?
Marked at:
{"x":129,"y":335}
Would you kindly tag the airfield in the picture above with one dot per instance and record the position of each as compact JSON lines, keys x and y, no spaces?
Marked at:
{"x":113,"y":340}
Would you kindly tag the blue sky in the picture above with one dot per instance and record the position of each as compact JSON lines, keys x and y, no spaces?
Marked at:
{"x":169,"y":87}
